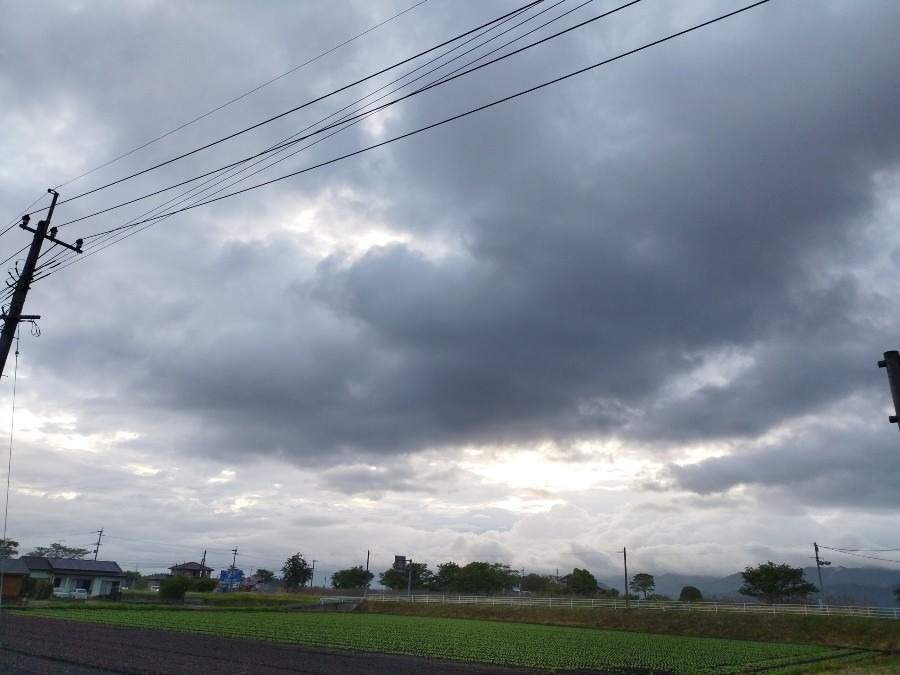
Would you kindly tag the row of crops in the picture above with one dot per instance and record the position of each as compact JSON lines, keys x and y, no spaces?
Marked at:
{"x":620,"y":603}
{"x":527,"y":645}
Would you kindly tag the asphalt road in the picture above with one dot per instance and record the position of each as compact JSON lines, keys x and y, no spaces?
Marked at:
{"x":32,"y":645}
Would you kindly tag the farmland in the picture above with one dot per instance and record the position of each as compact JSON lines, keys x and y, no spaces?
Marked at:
{"x":529,"y":645}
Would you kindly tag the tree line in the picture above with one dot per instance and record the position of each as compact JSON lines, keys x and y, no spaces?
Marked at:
{"x":769,"y":582}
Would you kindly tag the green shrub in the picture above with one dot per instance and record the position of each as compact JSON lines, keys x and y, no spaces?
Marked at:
{"x":204,"y":585}
{"x":37,"y":589}
{"x":174,"y":588}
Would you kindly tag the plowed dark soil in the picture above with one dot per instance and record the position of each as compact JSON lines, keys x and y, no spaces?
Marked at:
{"x":56,"y":647}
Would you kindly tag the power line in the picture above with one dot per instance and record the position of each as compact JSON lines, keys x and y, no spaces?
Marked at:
{"x":235,"y":100}
{"x":295,"y":109}
{"x":154,"y":219}
{"x":340,"y":125}
{"x":852,"y":552}
{"x":348,"y":120}
{"x":464,"y":114}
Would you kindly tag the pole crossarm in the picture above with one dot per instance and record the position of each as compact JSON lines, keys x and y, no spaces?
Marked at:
{"x":14,"y":315}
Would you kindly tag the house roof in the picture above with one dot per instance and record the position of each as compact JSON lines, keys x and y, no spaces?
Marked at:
{"x":105,"y":568}
{"x":13,"y":566}
{"x":191,"y":566}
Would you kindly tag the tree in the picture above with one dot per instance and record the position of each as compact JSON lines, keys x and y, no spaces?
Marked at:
{"x":134,"y":579}
{"x":581,"y":582}
{"x":57,"y":550}
{"x":204,"y":585}
{"x":772,"y":583}
{"x":397,"y":580}
{"x":690,"y":594}
{"x":642,"y":583}
{"x":485,"y":578}
{"x":8,"y":548}
{"x":536,"y":583}
{"x":296,"y":571}
{"x":355,"y":577}
{"x":444,"y":580}
{"x":175,"y":587}
{"x":265,"y":576}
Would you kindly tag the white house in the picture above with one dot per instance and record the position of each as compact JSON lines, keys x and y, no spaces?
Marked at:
{"x":97,"y":577}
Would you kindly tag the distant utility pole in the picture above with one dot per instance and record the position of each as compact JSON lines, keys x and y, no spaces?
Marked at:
{"x":891,"y":363}
{"x":819,"y":564}
{"x":231,"y":576}
{"x":14,"y":314}
{"x":625,"y":562}
{"x":99,"y":537}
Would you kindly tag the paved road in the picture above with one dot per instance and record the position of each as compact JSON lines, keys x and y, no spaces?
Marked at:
{"x":35,"y":645}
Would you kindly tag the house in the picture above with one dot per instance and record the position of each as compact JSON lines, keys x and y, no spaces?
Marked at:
{"x":154,"y":581}
{"x":13,"y":573}
{"x":97,"y":577}
{"x":191,"y":569}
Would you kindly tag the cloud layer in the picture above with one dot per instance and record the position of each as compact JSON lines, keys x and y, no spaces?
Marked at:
{"x":639,"y":308}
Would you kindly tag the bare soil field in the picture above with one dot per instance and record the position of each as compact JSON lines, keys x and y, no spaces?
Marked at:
{"x":32,"y":645}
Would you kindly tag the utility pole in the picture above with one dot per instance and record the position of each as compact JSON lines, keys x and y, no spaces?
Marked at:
{"x":231,"y":576}
{"x":891,"y":363}
{"x":366,"y":590}
{"x":312,"y":574}
{"x":625,"y":560}
{"x":97,"y":548}
{"x":23,"y":283}
{"x":819,"y":564}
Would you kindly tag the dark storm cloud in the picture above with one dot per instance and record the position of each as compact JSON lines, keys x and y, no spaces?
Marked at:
{"x":608,"y":237}
{"x":841,"y":469}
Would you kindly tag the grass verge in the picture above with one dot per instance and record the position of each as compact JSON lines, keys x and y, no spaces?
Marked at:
{"x":836,"y":631}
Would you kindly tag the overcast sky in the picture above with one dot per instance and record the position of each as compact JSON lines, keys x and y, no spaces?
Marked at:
{"x":641,"y":307}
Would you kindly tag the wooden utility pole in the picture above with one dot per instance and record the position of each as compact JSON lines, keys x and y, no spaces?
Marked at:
{"x":99,"y":537}
{"x":23,"y":283}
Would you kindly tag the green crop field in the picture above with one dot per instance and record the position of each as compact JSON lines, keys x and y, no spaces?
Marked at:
{"x":516,"y":644}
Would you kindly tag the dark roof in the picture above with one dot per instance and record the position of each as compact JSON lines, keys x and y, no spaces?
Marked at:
{"x":73,"y":566}
{"x":191,"y":566}
{"x":13,"y":566}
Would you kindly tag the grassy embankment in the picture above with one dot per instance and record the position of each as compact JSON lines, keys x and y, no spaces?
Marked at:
{"x":834,"y":631}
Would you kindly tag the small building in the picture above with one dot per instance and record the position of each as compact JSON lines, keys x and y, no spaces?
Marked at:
{"x":97,"y":577}
{"x":193,"y":570}
{"x":13,"y":573}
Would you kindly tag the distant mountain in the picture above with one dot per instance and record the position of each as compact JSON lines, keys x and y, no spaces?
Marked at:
{"x":862,"y":586}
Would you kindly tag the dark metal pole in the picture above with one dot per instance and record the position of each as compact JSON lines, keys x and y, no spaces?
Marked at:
{"x":625,"y":560}
{"x":17,"y":304}
{"x":891,"y":362}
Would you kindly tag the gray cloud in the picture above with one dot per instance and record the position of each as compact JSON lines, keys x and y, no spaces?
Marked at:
{"x":689,"y":248}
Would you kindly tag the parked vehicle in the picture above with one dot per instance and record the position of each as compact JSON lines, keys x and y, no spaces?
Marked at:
{"x":77,"y":594}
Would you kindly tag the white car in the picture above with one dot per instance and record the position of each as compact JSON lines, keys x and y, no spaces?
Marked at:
{"x":77,"y":594}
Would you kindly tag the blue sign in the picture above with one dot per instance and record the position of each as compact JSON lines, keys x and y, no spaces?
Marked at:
{"x":231,"y":576}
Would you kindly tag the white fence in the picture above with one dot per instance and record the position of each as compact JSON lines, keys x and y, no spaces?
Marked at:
{"x":664,"y":606}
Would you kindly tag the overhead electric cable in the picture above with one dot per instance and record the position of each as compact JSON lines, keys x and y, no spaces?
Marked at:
{"x":154,"y":219}
{"x":235,"y":100}
{"x":285,"y":144}
{"x":295,"y":109}
{"x":470,"y":112}
{"x":346,"y":120}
